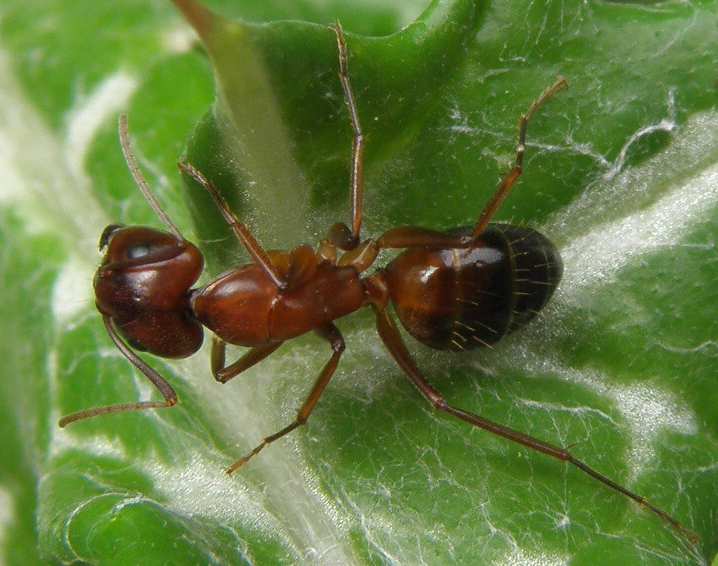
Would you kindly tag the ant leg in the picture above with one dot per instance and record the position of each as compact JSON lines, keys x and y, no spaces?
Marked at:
{"x":157,"y":380}
{"x":512,"y":176}
{"x":223,"y":373}
{"x":413,"y":237}
{"x":362,"y":257}
{"x":410,"y":236}
{"x":332,"y":334}
{"x":394,"y":343}
{"x":327,"y":251}
{"x":339,"y":233}
{"x":240,"y":230}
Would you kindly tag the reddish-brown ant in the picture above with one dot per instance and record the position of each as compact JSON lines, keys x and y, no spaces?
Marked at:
{"x":453,"y":291}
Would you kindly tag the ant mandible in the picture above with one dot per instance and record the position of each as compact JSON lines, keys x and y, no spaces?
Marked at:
{"x":453,"y":291}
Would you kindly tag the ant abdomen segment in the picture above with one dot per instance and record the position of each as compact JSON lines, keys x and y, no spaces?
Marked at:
{"x":463,"y":298}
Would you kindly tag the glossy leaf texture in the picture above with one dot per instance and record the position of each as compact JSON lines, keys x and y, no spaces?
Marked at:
{"x":621,"y":172}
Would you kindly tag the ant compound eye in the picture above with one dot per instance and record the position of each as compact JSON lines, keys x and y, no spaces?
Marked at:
{"x":139,"y":245}
{"x":138,"y":250}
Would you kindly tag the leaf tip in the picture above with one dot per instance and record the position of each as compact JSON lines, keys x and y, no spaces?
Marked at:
{"x":198,"y":16}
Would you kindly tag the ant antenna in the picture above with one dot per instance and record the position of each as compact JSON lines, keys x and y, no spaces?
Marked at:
{"x":140,"y":179}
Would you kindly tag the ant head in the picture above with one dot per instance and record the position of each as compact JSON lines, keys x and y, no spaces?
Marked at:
{"x":144,"y":283}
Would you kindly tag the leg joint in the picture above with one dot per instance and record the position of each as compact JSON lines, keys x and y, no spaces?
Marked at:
{"x":338,"y":345}
{"x":439,"y":403}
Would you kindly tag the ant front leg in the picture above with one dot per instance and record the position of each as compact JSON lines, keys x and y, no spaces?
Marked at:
{"x":157,"y":380}
{"x":223,"y":373}
{"x":330,"y":333}
{"x":240,"y":229}
{"x":512,"y":176}
{"x":393,"y":341}
{"x":340,"y":234}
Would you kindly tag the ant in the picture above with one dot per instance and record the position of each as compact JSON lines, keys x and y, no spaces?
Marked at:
{"x":456,"y":291}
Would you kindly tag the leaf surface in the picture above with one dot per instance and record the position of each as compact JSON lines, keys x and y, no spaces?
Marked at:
{"x":621,"y":173}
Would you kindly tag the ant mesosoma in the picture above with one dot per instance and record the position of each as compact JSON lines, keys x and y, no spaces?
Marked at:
{"x":452,"y":291}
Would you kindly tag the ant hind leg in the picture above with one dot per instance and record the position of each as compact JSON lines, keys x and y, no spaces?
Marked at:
{"x":395,"y":344}
{"x":512,"y":176}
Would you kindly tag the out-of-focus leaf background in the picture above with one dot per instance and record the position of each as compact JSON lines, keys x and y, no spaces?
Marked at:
{"x":622,"y":173}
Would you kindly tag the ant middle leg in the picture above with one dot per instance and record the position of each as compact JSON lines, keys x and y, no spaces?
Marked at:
{"x":223,"y":372}
{"x":340,"y":234}
{"x":157,"y":380}
{"x":332,"y":334}
{"x":393,"y":341}
{"x":512,"y":176}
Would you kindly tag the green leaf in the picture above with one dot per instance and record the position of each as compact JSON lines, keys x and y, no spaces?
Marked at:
{"x":621,"y":173}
